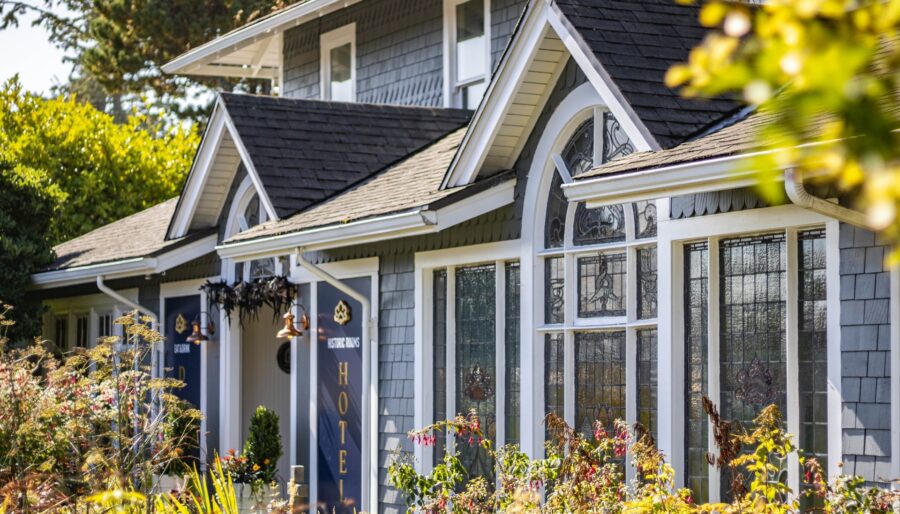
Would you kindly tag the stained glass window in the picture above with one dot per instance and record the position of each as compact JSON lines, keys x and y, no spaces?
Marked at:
{"x":554,"y":284}
{"x":644,"y":219}
{"x":696,"y":281}
{"x":554,"y":373}
{"x":599,"y":379}
{"x":262,"y":268}
{"x":646,"y":258}
{"x":597,"y":226}
{"x":555,"y":224}
{"x":615,"y":141}
{"x":813,"y":348}
{"x":646,"y":379}
{"x":439,"y":356}
{"x":475,"y":359}
{"x":251,"y":213}
{"x":512,"y":353}
{"x":579,"y":152}
{"x":601,"y":285}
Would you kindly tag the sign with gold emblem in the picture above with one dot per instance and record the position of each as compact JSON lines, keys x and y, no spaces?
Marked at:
{"x":340,"y":399}
{"x":342,"y":313}
{"x":180,"y":323}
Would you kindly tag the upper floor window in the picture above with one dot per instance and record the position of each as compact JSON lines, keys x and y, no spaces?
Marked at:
{"x":468,"y":49}
{"x":338,"y":62}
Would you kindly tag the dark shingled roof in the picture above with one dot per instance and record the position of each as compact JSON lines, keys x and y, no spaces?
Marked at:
{"x":140,"y":235}
{"x":414,"y":182}
{"x":305,"y":151}
{"x":636,"y":41}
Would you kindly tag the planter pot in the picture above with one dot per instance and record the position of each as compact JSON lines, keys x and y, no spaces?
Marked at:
{"x":248,"y":502}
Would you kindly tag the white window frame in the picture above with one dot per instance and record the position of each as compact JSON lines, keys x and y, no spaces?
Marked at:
{"x":630,"y":324}
{"x":329,"y":41}
{"x":498,"y":254}
{"x":452,"y":87}
{"x":674,"y":235}
{"x":93,"y":307}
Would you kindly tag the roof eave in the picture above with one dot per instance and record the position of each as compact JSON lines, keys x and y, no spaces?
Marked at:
{"x":123,"y":268}
{"x":412,"y":222}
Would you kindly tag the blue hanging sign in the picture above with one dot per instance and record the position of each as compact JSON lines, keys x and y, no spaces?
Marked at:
{"x":340,"y":398}
{"x":182,"y":359}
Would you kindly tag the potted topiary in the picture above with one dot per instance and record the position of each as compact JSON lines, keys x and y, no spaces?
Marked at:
{"x":257,"y":466}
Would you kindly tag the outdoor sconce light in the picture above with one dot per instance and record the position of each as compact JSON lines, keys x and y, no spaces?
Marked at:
{"x":290,"y":330}
{"x":197,"y":336}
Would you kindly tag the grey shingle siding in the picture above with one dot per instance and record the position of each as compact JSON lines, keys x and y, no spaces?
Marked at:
{"x":717,"y":202}
{"x":398,"y":52}
{"x":399,"y":49}
{"x":865,"y":354}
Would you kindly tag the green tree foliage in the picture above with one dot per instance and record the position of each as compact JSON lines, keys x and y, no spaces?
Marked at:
{"x":826,"y":73}
{"x":263,"y":447}
{"x":98,"y":171}
{"x":122,"y":44}
{"x":27,"y":204}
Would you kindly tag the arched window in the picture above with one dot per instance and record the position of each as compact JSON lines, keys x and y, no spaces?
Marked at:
{"x":599,"y":325}
{"x":247,"y":212}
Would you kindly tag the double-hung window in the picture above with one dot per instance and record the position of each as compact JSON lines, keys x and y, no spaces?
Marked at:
{"x":755,"y":335}
{"x":338,"y":64}
{"x":475,"y":354}
{"x":599,"y":282}
{"x":468,"y":50}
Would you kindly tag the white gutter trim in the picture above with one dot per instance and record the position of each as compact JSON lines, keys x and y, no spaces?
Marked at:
{"x":125,"y":267}
{"x":411,"y":223}
{"x":797,"y":193}
{"x":119,"y":298}
{"x":688,"y":178}
{"x":84,"y":274}
{"x":253,"y":32}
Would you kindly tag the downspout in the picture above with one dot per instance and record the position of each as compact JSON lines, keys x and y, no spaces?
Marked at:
{"x":154,"y":359}
{"x":799,"y":196}
{"x":368,"y":327}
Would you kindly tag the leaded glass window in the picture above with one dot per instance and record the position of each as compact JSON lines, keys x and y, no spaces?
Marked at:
{"x":474,"y":336}
{"x":512,"y":353}
{"x":751,"y":282}
{"x":439,"y":355}
{"x":601,"y":285}
{"x":598,"y":226}
{"x":599,"y":276}
{"x":696,"y":257}
{"x":813,"y":348}
{"x":646,"y":258}
{"x":475,"y":359}
{"x":599,"y":379}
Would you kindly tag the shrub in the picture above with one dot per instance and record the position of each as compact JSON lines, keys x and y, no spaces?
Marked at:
{"x":263,"y":447}
{"x":586,"y":473}
{"x":94,"y":420}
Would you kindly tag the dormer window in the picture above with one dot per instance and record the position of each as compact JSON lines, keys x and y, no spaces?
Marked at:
{"x":468,"y":51}
{"x":338,"y":62}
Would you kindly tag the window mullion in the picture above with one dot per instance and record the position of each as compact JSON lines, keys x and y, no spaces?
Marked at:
{"x":631,"y":386}
{"x":569,"y":377}
{"x":792,"y":314}
{"x":713,"y":392}
{"x":450,"y":372}
{"x":570,"y":293}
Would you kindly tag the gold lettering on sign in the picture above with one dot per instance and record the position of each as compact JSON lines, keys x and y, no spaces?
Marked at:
{"x":341,"y":487}
{"x":342,"y":466}
{"x":343,"y":424}
{"x":343,"y":373}
{"x":343,"y":403}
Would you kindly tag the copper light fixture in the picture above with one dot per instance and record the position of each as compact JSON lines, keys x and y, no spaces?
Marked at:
{"x":197,"y":336}
{"x":290,"y":329}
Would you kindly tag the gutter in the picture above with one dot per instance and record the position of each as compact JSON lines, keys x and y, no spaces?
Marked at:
{"x":799,"y":196}
{"x":82,"y":274}
{"x":369,"y":342}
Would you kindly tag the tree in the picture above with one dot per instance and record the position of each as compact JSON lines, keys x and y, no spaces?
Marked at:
{"x":825,"y":72}
{"x":99,"y":171}
{"x":122,"y":44}
{"x":26,"y":211}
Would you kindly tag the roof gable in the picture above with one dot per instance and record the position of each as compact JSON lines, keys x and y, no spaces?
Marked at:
{"x":636,"y":42}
